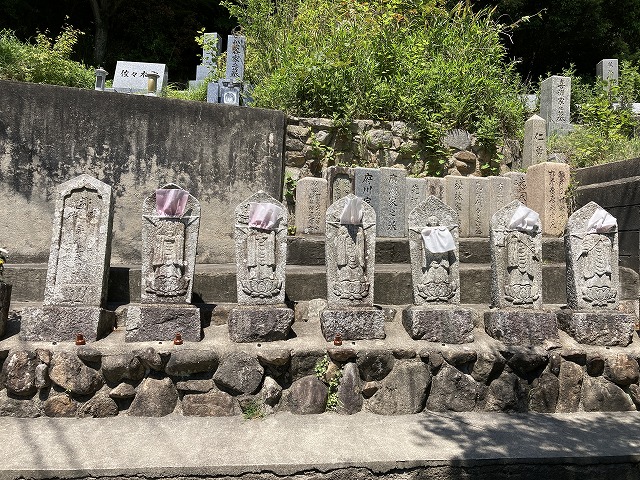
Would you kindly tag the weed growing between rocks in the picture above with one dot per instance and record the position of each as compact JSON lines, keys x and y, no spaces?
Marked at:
{"x":331,"y":374}
{"x":253,"y":409}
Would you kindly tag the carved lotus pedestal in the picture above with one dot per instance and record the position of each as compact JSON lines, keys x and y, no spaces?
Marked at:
{"x":260,"y":323}
{"x":598,"y":327}
{"x":59,"y":323}
{"x":521,"y":327}
{"x":160,"y":322}
{"x":352,"y":323}
{"x":439,"y":323}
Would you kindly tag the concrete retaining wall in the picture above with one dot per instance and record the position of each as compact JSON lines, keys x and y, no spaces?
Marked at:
{"x":135,"y":143}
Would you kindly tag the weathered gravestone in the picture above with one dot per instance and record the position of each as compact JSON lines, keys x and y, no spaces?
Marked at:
{"x":211,"y":48}
{"x":607,"y":71}
{"x":433,"y":244}
{"x":132,"y":77}
{"x":170,"y":227}
{"x":518,"y":186}
{"x":516,"y":279}
{"x":391,"y":214}
{"x":311,"y":205}
{"x":535,"y":141}
{"x":500,"y":193}
{"x":546,"y":185}
{"x":236,"y":47}
{"x":340,"y":181}
{"x":416,"y":193}
{"x":261,"y":255}
{"x":78,"y":266}
{"x":591,"y":245}
{"x":350,"y":245}
{"x":555,"y":104}
{"x":458,"y":192}
{"x":435,"y":187}
{"x":367,"y":186}
{"x":5,"y":293}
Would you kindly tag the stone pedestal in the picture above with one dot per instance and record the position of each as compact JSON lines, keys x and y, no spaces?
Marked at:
{"x":521,"y":327}
{"x":604,"y":328}
{"x":58,"y":323}
{"x":5,"y":301}
{"x":353,"y":323}
{"x":157,"y":322}
{"x":260,"y":323}
{"x":441,"y":324}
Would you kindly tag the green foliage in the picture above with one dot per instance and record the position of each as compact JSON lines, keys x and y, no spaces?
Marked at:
{"x":44,"y":61}
{"x":197,"y":94}
{"x":253,"y":409}
{"x":417,"y":61}
{"x":321,"y":367}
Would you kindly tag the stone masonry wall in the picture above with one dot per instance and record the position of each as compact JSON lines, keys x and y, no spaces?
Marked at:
{"x":304,"y":375}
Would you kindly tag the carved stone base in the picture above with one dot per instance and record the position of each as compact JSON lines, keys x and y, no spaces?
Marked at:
{"x":5,"y":300}
{"x":441,"y":323}
{"x":358,"y":323}
{"x":521,"y":327}
{"x":56,"y":323}
{"x":605,"y":328}
{"x":260,"y":323}
{"x":159,"y":322}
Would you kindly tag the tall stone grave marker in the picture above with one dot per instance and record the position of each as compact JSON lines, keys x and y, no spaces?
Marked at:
{"x":535,"y":142}
{"x":547,"y":184}
{"x":516,"y":279}
{"x":416,"y":193}
{"x":607,"y":70}
{"x":433,"y":245}
{"x":435,"y":187}
{"x":170,"y":227}
{"x":518,"y":186}
{"x":591,"y":245}
{"x":261,"y":255}
{"x":458,"y":193}
{"x":555,"y":104}
{"x":311,"y":205}
{"x":211,"y":48}
{"x":350,"y":246}
{"x":501,"y":193}
{"x":236,"y":47}
{"x":391,"y":214}
{"x":367,"y":186}
{"x":340,"y":182}
{"x":479,"y":206}
{"x":78,"y":266}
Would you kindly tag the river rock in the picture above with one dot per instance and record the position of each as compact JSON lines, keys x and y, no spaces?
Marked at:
{"x":69,"y":373}
{"x":210,"y":404}
{"x":154,"y":398}
{"x":403,"y":391}
{"x":307,"y":395}
{"x":239,"y":373}
{"x":600,"y":395}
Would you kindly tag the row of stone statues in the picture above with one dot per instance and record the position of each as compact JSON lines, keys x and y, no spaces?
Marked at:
{"x":79,"y":262}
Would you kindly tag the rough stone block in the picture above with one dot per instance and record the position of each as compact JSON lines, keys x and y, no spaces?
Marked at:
{"x":439,"y":324}
{"x":547,"y":184}
{"x":521,"y":327}
{"x":260,"y":323}
{"x":598,"y":328}
{"x":352,"y":323}
{"x":155,"y":322}
{"x":56,"y":323}
{"x":311,"y":205}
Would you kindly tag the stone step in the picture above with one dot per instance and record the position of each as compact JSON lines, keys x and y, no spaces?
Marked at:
{"x":216,"y":283}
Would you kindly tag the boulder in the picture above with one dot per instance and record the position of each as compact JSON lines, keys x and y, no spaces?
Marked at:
{"x":19,"y":407}
{"x":187,"y":362}
{"x":271,"y":392}
{"x":453,"y":390}
{"x":60,"y":406}
{"x":306,"y":395}
{"x":122,"y":391}
{"x":374,"y":365}
{"x":239,"y":373}
{"x":210,"y":404}
{"x":99,"y":406}
{"x":349,"y":390}
{"x":403,"y":391}
{"x":69,"y":373}
{"x":622,"y":370}
{"x":19,"y":372}
{"x":507,"y":393}
{"x":154,"y":398}
{"x":570,"y":387}
{"x":487,"y":365}
{"x":600,"y":395}
{"x":117,"y":368}
{"x":543,"y":396}
{"x":150,"y":358}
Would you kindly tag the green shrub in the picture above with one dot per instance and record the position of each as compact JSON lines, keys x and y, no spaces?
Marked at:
{"x":45,"y":61}
{"x":408,"y":60}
